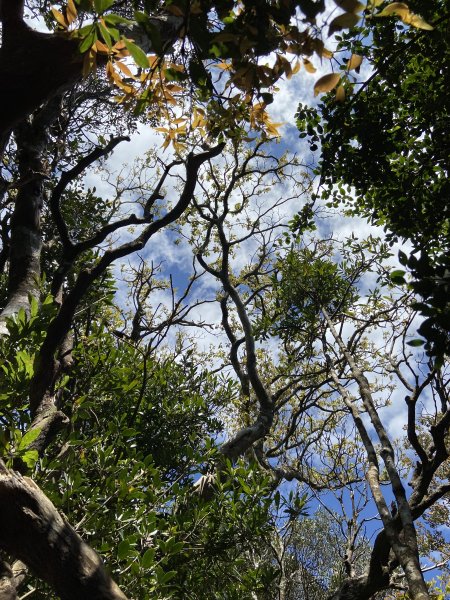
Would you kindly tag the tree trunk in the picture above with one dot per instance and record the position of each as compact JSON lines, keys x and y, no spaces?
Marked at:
{"x":32,"y":530}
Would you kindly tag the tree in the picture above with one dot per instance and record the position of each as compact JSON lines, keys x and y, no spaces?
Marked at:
{"x":82,"y":379}
{"x":315,"y":300}
{"x":384,"y":154}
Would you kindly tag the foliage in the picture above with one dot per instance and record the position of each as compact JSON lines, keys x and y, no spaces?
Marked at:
{"x":191,"y":469}
{"x":384,"y":155}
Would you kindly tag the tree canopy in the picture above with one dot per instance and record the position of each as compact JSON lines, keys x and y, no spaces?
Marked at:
{"x":205,"y":392}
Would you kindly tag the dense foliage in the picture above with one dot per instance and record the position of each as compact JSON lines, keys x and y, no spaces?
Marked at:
{"x":385,"y":151}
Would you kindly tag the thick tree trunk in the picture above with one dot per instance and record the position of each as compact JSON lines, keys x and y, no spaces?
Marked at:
{"x":32,"y":530}
{"x":26,"y":242}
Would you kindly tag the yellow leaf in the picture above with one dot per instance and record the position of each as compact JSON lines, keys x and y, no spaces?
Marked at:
{"x":296,"y":67}
{"x":417,"y":22}
{"x":60,"y":18}
{"x":173,"y":88}
{"x":89,"y":62}
{"x":169,"y":98}
{"x":395,"y":8}
{"x":223,"y":65}
{"x":326,"y":83}
{"x":125,"y":70}
{"x":101,"y":47}
{"x":309,"y":66}
{"x":351,"y":6}
{"x":71,"y":12}
{"x":272,"y":128}
{"x":374,"y":3}
{"x":354,"y":62}
{"x":340,"y":94}
{"x":344,"y":21}
{"x":285,"y":66}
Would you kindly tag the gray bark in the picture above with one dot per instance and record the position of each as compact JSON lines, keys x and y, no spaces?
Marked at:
{"x":32,"y":530}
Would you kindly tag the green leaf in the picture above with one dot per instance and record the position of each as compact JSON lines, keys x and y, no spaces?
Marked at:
{"x":29,"y":438}
{"x":148,"y":559}
{"x":123,"y":549}
{"x":416,"y":343}
{"x":102,"y":5}
{"x":139,"y":56}
{"x":30,"y":458}
{"x":90,"y":39}
{"x":106,"y":35}
{"x":117,"y":20}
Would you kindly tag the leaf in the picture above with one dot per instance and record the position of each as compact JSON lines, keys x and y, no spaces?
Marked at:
{"x":102,"y":5}
{"x":351,"y":6}
{"x":29,"y":438}
{"x":354,"y":62}
{"x":60,"y":18}
{"x":340,"y":94}
{"x":89,"y":62}
{"x":88,"y":41}
{"x":309,"y":66}
{"x":395,"y":8}
{"x":149,"y":558}
{"x":71,"y":12}
{"x":326,"y":83}
{"x":106,"y":34}
{"x":123,"y":549}
{"x":417,"y":22}
{"x":117,"y":20}
{"x":101,"y":47}
{"x":344,"y":21}
{"x":416,"y":343}
{"x":30,"y":458}
{"x":139,"y":56}
{"x":125,"y":70}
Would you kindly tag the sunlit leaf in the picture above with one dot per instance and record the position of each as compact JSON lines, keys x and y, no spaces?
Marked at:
{"x":340,"y":93}
{"x":417,"y":22}
{"x":296,"y":67}
{"x":344,"y":21}
{"x":71,"y":12}
{"x":354,"y":62}
{"x":60,"y":18}
{"x":395,"y":8}
{"x":29,"y":438}
{"x":89,"y":62}
{"x":326,"y":83}
{"x":139,"y":56}
{"x":309,"y":66}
